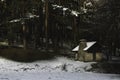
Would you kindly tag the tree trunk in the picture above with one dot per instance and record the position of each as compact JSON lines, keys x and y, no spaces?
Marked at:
{"x":74,"y":30}
{"x":24,"y":36}
{"x":46,"y":23}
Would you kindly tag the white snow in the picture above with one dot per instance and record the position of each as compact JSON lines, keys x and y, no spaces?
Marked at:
{"x":75,"y":13}
{"x":57,"y":6}
{"x":69,"y":27}
{"x":55,"y":65}
{"x":57,"y":76}
{"x":2,"y":0}
{"x":64,"y":9}
{"x":60,"y":68}
{"x":15,"y":20}
{"x":4,"y":43}
{"x":89,"y":4}
{"x":28,"y":15}
{"x":76,"y":48}
{"x":89,"y":44}
{"x":84,"y":10}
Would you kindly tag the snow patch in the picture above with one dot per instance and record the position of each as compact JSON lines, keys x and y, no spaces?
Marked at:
{"x":57,"y":65}
{"x":75,"y":13}
{"x":60,"y":68}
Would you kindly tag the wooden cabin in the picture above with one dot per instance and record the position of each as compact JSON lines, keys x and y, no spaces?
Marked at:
{"x":92,"y":51}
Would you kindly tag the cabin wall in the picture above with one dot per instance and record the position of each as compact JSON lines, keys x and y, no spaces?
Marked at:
{"x":99,"y":56}
{"x":89,"y":56}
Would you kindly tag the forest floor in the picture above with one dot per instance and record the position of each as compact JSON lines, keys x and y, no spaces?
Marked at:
{"x":19,"y":64}
{"x":59,"y":68}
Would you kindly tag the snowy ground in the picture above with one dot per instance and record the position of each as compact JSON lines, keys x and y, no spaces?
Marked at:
{"x":60,"y":68}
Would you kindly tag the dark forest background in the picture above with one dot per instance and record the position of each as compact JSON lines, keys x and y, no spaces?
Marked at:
{"x":57,"y":24}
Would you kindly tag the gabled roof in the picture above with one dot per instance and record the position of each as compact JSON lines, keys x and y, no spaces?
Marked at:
{"x":89,"y":44}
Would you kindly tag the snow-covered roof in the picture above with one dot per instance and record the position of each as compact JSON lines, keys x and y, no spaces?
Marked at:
{"x":89,"y":44}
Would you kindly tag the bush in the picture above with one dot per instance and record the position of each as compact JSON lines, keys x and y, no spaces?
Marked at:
{"x":25,"y":55}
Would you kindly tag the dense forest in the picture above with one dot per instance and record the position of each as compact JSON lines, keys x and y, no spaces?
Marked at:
{"x":45,"y":24}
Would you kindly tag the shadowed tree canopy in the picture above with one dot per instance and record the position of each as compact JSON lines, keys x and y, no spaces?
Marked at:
{"x":67,"y":20}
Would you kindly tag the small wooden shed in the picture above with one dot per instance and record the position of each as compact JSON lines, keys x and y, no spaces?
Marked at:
{"x":92,"y":51}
